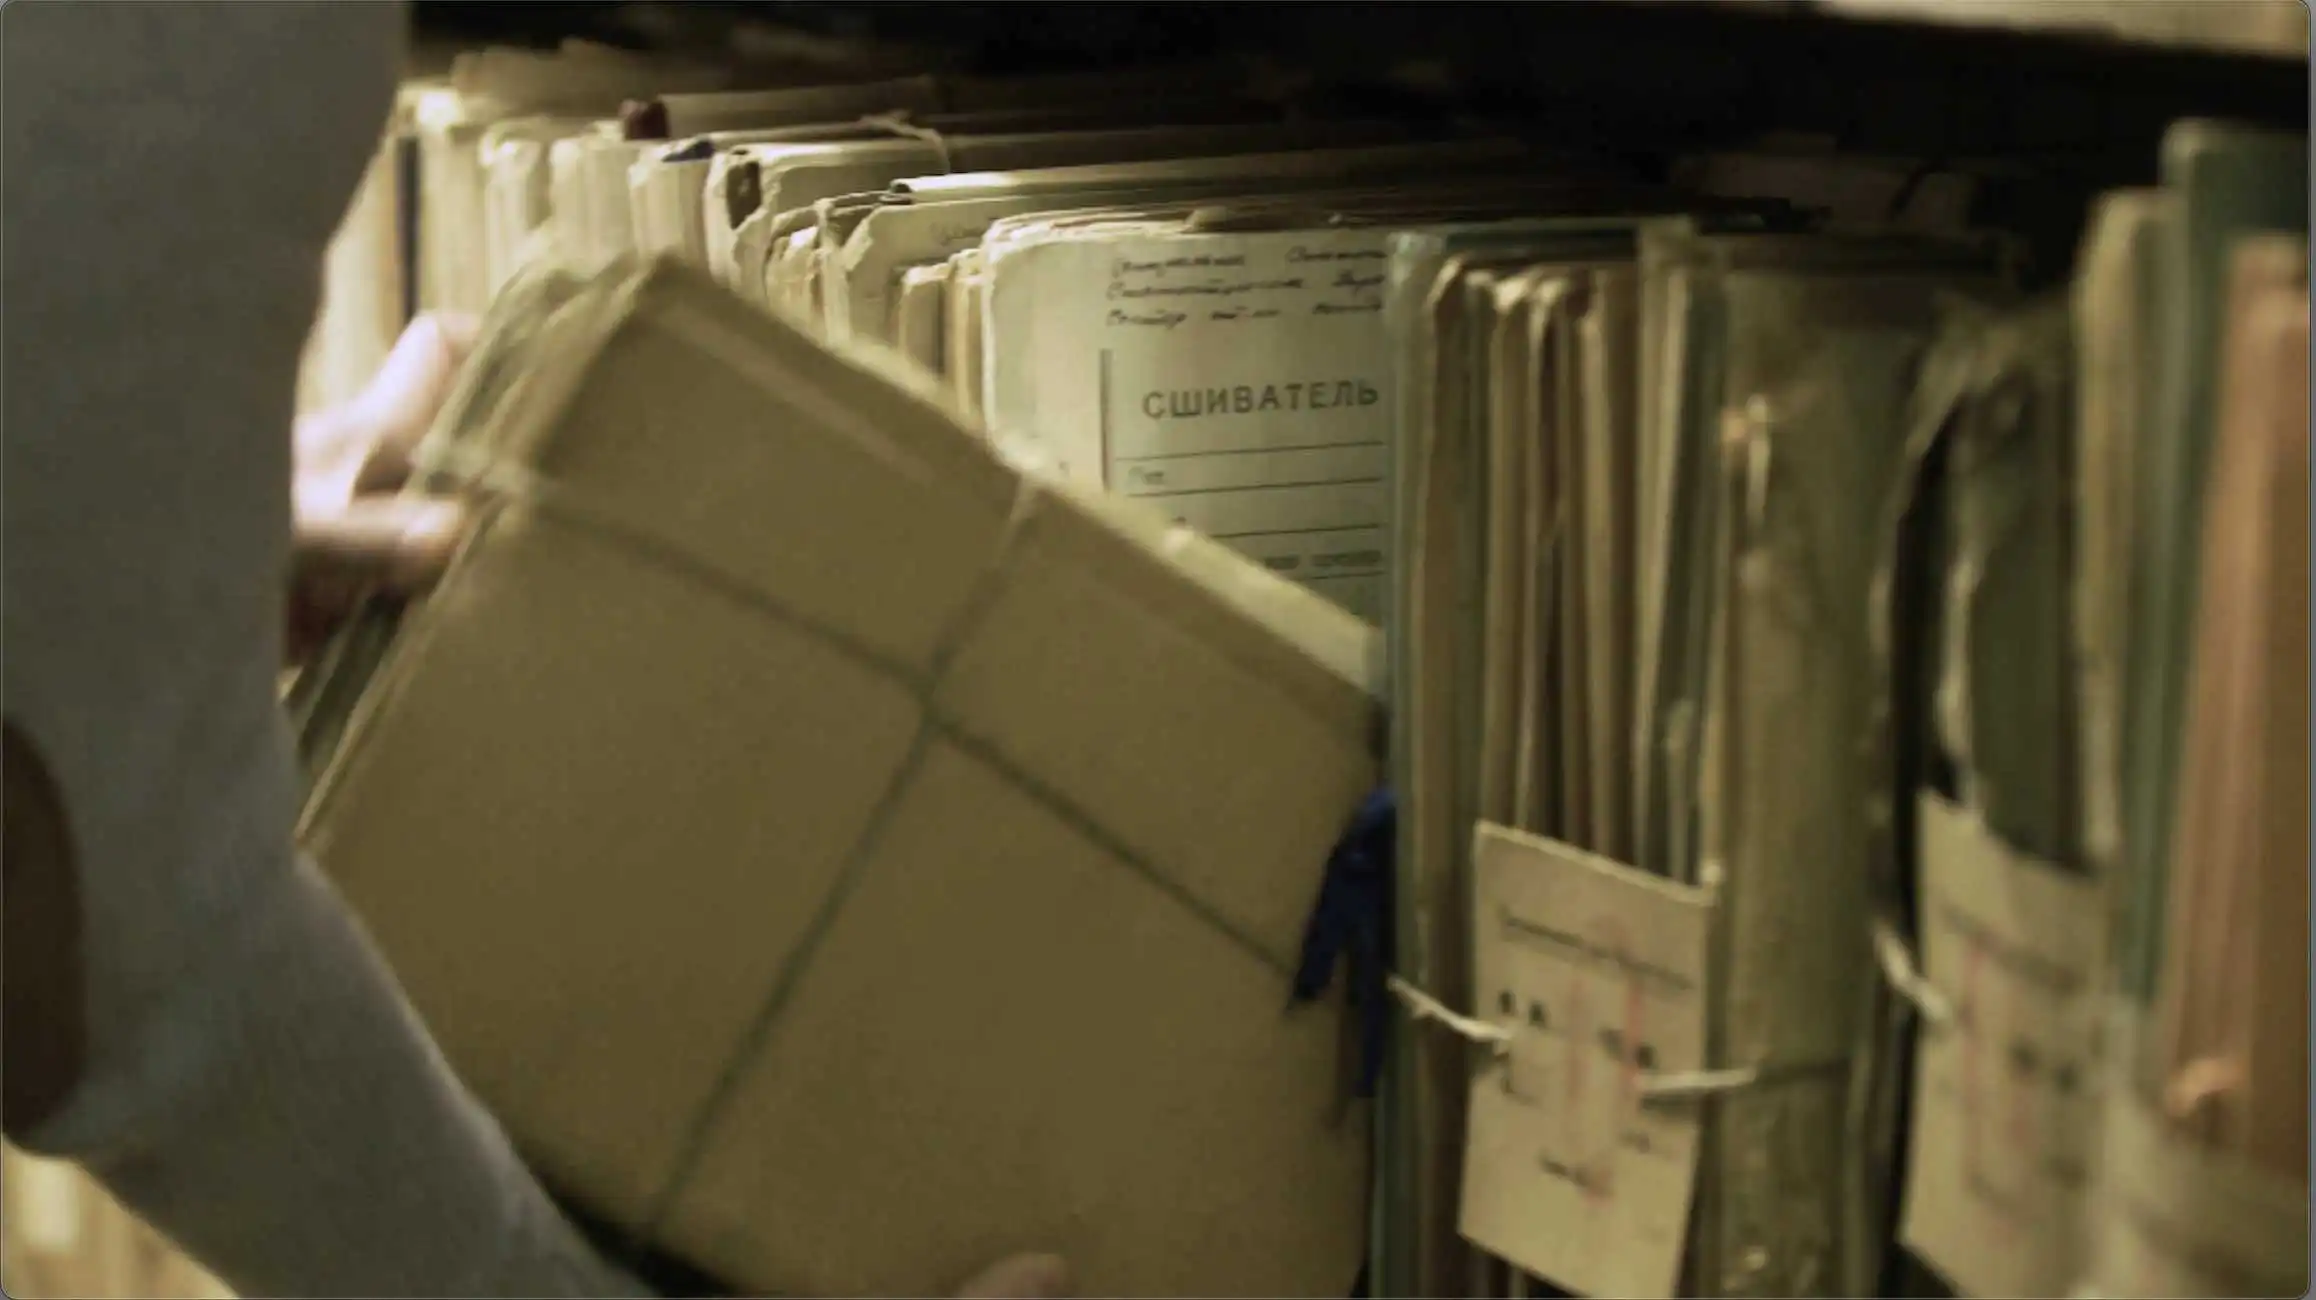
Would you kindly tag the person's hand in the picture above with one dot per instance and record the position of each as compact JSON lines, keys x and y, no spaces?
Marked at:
{"x":352,"y":533}
{"x":1021,"y":1277}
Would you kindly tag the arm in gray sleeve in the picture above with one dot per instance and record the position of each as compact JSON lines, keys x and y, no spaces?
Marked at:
{"x":253,"y":1082}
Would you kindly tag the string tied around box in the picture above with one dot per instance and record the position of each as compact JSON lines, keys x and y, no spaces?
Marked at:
{"x":474,"y":470}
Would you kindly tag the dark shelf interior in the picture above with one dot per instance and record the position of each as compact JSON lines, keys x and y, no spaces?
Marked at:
{"x":1680,"y":71}
{"x":2068,"y":114}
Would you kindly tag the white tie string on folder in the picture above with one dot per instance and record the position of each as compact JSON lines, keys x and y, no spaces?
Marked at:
{"x":1422,"y":1006}
{"x":1905,"y":977}
{"x":1657,"y":1089}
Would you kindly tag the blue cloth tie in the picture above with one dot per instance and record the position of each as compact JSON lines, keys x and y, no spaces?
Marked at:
{"x":1352,"y":922}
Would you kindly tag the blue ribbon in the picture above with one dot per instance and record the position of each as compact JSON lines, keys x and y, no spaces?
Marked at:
{"x":1352,"y":923}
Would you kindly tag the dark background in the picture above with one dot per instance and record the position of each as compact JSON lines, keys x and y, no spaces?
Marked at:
{"x":2069,"y":114}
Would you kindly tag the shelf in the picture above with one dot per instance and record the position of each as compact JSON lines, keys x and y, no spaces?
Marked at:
{"x":1931,"y":78}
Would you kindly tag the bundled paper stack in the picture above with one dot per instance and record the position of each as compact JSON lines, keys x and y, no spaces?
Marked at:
{"x":842,"y":858}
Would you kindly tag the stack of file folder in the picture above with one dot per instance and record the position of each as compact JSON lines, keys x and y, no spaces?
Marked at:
{"x":958,"y":550}
{"x":2201,"y":1157}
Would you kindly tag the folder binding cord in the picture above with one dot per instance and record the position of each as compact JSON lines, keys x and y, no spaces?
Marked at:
{"x":899,"y":124}
{"x":1904,"y":975}
{"x":1656,"y":1088}
{"x":1422,"y":1006}
{"x":1673,"y":1088}
{"x":1351,"y":920}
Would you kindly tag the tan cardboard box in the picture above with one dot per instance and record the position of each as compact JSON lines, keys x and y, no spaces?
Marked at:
{"x":842,"y":860}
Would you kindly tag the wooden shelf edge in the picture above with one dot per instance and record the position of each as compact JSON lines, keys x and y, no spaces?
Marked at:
{"x":2267,"y":29}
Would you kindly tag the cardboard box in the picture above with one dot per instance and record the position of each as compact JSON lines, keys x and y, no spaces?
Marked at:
{"x":841,"y":860}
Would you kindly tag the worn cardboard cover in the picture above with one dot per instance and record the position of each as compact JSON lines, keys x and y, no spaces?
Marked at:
{"x":922,"y":317}
{"x":1816,"y":369}
{"x":2232,"y":182}
{"x":1432,"y":300}
{"x":841,"y":860}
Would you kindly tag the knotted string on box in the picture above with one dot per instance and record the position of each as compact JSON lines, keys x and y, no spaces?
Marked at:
{"x":463,"y":467}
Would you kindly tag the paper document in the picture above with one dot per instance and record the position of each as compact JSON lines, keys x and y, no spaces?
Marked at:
{"x":1599,"y":972}
{"x":1240,"y":382}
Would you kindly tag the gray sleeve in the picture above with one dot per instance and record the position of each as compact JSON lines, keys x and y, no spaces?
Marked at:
{"x":257,"y":1087}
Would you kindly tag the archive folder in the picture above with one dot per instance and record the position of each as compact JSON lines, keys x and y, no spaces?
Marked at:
{"x":1229,"y":364}
{"x":841,"y":859}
